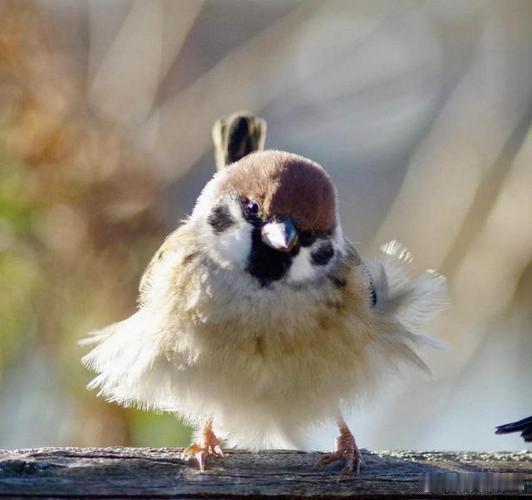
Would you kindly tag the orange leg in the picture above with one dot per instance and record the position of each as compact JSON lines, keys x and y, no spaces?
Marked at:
{"x":346,"y":450}
{"x":209,"y":444}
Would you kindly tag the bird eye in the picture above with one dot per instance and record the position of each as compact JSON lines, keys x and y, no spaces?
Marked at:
{"x":253,"y":208}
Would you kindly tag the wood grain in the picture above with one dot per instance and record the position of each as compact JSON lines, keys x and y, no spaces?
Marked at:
{"x":160,"y":473}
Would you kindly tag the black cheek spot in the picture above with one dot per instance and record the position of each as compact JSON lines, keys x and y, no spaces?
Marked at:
{"x":220,"y":219}
{"x":323,"y":253}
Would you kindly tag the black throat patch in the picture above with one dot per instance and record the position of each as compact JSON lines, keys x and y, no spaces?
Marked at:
{"x":265,"y":263}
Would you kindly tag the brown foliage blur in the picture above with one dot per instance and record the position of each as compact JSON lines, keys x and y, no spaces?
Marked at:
{"x":89,"y":193}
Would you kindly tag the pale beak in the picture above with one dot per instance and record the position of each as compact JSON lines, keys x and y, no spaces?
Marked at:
{"x":280,"y":234}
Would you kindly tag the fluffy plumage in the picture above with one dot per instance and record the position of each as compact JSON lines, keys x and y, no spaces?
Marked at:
{"x":265,"y":357}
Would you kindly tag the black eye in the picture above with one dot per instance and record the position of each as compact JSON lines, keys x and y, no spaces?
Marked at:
{"x":253,"y":208}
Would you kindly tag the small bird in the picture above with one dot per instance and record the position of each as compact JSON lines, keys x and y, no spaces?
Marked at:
{"x":259,"y":317}
{"x":524,"y":426}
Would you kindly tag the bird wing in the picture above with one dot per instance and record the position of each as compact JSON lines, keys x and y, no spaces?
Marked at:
{"x":412,"y":301}
{"x":402,"y":305}
{"x":135,"y":358}
{"x":171,"y":245}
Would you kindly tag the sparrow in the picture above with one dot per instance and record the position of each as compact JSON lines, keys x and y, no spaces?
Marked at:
{"x":258,"y":317}
{"x":525,"y":426}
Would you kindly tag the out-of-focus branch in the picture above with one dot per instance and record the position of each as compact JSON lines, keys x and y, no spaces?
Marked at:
{"x":189,"y":115}
{"x":502,"y":249}
{"x":466,"y":140}
{"x":127,"y":80}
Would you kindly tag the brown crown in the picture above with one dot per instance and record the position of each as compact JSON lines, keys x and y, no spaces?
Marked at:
{"x":285,"y":184}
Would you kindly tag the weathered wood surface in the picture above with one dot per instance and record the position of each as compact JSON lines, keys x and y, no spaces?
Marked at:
{"x":149,"y":472}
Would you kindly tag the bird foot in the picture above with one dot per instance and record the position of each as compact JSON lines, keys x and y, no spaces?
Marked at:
{"x":209,"y":445}
{"x":346,"y":451}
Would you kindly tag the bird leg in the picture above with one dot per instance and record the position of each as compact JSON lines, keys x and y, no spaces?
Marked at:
{"x":346,"y":450}
{"x":209,"y":444}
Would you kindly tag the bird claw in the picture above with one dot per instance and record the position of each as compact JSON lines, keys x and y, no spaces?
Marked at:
{"x":194,"y":451}
{"x":218,"y":451}
{"x":346,"y":451}
{"x":210,"y":445}
{"x":353,"y":464}
{"x":353,"y":461}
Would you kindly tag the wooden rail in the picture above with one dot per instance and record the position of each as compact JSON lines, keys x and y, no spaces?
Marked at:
{"x":160,"y":473}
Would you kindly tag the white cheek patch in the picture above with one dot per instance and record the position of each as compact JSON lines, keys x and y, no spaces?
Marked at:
{"x":305,"y":269}
{"x":208,"y":198}
{"x":234,"y":245}
{"x":230,"y":246}
{"x":338,"y":238}
{"x":302,"y":268}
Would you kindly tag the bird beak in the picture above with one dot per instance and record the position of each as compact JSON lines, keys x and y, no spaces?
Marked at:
{"x":280,"y":234}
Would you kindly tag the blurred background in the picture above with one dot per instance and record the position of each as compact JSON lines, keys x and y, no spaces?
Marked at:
{"x":419,"y":110}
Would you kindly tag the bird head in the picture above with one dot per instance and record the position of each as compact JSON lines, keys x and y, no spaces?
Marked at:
{"x":273,"y":215}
